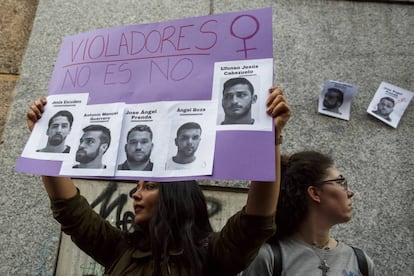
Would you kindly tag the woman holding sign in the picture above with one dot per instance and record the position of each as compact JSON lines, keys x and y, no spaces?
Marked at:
{"x":172,"y":233}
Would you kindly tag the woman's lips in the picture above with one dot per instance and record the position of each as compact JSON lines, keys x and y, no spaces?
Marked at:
{"x":138,"y":208}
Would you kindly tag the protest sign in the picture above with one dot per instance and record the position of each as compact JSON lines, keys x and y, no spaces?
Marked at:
{"x":174,"y":61}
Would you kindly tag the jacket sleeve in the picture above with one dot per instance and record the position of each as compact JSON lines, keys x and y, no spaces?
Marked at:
{"x":237,"y":244}
{"x":87,"y":229}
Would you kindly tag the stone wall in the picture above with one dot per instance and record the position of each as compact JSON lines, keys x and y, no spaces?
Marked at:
{"x":15,"y":27}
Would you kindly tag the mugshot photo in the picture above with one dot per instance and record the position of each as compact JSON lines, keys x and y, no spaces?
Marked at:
{"x":93,"y":144}
{"x":191,"y":145}
{"x":97,"y":143}
{"x":184,"y":155}
{"x":238,"y":99}
{"x":335,"y":99}
{"x":59,"y":127}
{"x":240,"y":88}
{"x":55,"y":135}
{"x":137,"y":148}
{"x":141,"y":141}
{"x":389,"y":103}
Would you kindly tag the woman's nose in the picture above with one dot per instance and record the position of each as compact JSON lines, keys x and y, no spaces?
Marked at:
{"x":135,"y":194}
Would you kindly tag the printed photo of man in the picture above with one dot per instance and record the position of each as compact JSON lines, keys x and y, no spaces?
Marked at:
{"x":333,"y":100}
{"x":138,"y":149}
{"x":59,"y":127}
{"x":187,"y":140}
{"x":237,"y":101}
{"x":385,"y":107}
{"x":94,"y":143}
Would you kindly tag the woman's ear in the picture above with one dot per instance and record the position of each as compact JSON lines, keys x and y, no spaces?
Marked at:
{"x":314,"y":194}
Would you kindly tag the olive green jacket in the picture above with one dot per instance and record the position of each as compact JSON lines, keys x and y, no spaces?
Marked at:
{"x":229,"y":251}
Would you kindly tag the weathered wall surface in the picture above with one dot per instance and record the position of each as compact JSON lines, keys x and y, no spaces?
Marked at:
{"x":314,"y":40}
{"x":16,"y":18}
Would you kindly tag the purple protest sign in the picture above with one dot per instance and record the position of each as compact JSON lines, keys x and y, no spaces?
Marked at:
{"x":136,"y":63}
{"x":170,"y":61}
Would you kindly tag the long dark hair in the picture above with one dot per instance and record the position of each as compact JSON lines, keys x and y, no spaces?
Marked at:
{"x":181,"y":223}
{"x":299,"y":171}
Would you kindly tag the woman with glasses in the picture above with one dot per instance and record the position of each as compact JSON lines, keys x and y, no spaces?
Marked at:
{"x":314,"y":197}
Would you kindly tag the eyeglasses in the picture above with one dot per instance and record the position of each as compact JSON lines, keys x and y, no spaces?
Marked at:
{"x":341,"y":181}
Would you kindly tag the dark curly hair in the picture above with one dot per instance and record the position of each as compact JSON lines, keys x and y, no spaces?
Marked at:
{"x":298,"y":172}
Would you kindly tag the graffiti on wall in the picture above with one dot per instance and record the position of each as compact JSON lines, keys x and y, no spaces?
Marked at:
{"x":112,"y":201}
{"x":124,"y":220}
